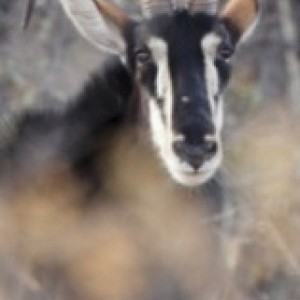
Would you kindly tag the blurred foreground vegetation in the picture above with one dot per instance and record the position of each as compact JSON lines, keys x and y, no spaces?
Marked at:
{"x":260,"y":230}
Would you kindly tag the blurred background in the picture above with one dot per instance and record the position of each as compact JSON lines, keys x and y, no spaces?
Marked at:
{"x":45,"y":65}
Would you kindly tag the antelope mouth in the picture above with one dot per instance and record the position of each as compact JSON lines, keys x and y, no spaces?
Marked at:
{"x":186,"y":175}
{"x":193,"y":179}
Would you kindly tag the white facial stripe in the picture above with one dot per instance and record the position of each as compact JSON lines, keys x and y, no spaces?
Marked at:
{"x":209,"y":46}
{"x":219,"y":115}
{"x":159,"y":50}
{"x":179,"y":138}
{"x":157,"y":128}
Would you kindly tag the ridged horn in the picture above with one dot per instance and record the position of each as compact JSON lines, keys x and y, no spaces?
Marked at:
{"x":116,"y":15}
{"x":208,"y":6}
{"x":104,"y":7}
{"x":151,"y":8}
{"x":154,"y":7}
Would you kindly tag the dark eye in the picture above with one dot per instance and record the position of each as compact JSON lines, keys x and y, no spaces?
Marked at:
{"x":225,"y":52}
{"x":160,"y":101}
{"x":142,"y":56}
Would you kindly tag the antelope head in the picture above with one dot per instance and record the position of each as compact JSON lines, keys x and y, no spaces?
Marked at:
{"x":179,"y":54}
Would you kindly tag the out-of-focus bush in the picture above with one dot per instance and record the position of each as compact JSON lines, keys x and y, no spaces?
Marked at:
{"x":46,"y":64}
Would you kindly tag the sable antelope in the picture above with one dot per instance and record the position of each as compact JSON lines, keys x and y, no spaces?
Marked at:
{"x":164,"y":89}
{"x":176,"y":62}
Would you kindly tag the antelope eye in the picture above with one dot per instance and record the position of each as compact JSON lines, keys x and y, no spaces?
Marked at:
{"x":225,"y":52}
{"x":142,"y":56}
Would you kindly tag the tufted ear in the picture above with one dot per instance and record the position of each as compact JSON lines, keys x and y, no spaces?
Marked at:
{"x":101,"y":22}
{"x":239,"y":17}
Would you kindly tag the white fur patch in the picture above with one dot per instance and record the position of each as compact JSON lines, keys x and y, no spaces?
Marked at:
{"x":159,"y":49}
{"x":209,"y":46}
{"x":162,"y":134}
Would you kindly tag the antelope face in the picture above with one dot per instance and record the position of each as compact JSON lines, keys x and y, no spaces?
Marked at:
{"x":182,"y":63}
{"x":180,"y":59}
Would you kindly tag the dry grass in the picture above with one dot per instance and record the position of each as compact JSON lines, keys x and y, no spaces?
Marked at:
{"x":263,"y":168}
{"x":148,"y":239}
{"x":161,"y":246}
{"x":142,"y":238}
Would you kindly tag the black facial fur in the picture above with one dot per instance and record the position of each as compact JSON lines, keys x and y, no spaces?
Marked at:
{"x":183,"y":33}
{"x":70,"y":134}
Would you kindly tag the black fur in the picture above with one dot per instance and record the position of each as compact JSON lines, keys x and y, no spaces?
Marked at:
{"x":69,"y":135}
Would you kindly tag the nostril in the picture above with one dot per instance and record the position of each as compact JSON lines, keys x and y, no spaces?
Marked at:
{"x":192,"y":154}
{"x":195,"y":155}
{"x":210,"y":148}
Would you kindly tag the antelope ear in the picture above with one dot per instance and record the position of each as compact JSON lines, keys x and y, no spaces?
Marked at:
{"x":101,"y":22}
{"x":239,"y":17}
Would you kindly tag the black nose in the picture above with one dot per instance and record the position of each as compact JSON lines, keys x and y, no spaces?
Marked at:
{"x":196,"y":155}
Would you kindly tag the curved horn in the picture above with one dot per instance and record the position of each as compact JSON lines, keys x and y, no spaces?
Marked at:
{"x":154,"y":7}
{"x":100,"y":21}
{"x":112,"y":12}
{"x":28,"y":14}
{"x":209,"y":6}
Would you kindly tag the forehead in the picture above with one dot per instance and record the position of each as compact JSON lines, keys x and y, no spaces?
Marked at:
{"x":181,"y":28}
